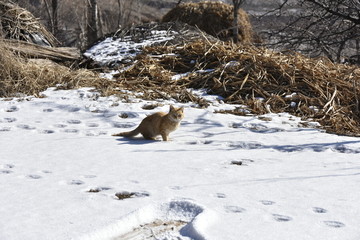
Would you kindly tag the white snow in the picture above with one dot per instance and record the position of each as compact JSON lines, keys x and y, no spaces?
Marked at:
{"x":229,"y":177}
{"x":124,"y":49}
{"x":221,"y":177}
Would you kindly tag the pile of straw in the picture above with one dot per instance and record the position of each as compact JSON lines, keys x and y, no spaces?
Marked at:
{"x":264,"y":80}
{"x":23,"y":37}
{"x":214,"y":18}
{"x":21,"y":76}
{"x":19,"y":24}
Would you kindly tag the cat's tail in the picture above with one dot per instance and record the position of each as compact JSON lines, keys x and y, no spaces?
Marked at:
{"x":132,"y":133}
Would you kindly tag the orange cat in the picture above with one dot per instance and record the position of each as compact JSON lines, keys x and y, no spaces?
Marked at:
{"x":159,"y":123}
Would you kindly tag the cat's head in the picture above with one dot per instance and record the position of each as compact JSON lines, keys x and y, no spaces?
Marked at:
{"x":177,"y":114}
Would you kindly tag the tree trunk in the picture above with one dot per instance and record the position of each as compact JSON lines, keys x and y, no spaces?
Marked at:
{"x":236,"y":4}
{"x":120,"y":12}
{"x":236,"y":24}
{"x":52,"y":12}
{"x":91,"y":29}
{"x":55,"y":22}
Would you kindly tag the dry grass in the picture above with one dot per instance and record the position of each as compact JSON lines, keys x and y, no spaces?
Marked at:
{"x":264,"y":80}
{"x":21,"y":75}
{"x":18,"y":23}
{"x":30,"y":77}
{"x":214,"y":18}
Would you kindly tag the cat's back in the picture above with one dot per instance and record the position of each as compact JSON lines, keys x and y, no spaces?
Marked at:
{"x":154,"y":118}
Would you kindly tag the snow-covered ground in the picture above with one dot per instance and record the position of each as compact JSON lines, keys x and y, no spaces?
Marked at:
{"x":221,"y":177}
{"x":112,"y":51}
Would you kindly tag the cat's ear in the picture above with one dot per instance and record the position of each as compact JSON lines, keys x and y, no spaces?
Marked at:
{"x":181,"y":109}
{"x":172,"y":109}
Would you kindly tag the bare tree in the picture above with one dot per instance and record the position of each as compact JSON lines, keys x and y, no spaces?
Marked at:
{"x":91,"y":29}
{"x":236,"y":4}
{"x":52,"y":10}
{"x":124,"y":12}
{"x":319,"y":27}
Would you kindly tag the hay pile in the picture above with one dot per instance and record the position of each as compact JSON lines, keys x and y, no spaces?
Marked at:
{"x":19,"y":76}
{"x":23,"y":37}
{"x":214,"y":18}
{"x":23,"y":33}
{"x":264,"y":80}
{"x":19,"y":24}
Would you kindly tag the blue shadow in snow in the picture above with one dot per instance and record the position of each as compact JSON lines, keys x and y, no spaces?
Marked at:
{"x":135,"y":141}
{"x":316,"y":147}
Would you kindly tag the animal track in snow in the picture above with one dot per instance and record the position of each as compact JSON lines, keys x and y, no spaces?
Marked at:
{"x":151,"y":106}
{"x":267,"y":202}
{"x":282,"y":218}
{"x":220,"y":195}
{"x":25,"y":127}
{"x":125,"y":194}
{"x":245,"y":145}
{"x":92,"y":125}
{"x":33,"y":176}
{"x":334,"y":224}
{"x":7,"y":166}
{"x":48,"y":110}
{"x":123,"y":125}
{"x":256,"y":127}
{"x":60,"y":125}
{"x":10,"y":120}
{"x":98,"y":189}
{"x":236,"y":125}
{"x":95,"y":134}
{"x":319,"y":210}
{"x":234,"y":209}
{"x":237,"y":162}
{"x":5,"y":129}
{"x":128,"y":115}
{"x":71,"y":130}
{"x":12,"y":109}
{"x":74,"y":109}
{"x":200,"y":142}
{"x":5,"y":171}
{"x":73,"y":121}
{"x":46,"y":131}
{"x":75,"y":182}
{"x":90,"y":134}
{"x":207,"y":134}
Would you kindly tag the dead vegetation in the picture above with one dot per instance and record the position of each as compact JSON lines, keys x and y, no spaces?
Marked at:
{"x":27,"y":49}
{"x":21,"y":32}
{"x":264,"y":80}
{"x":24,"y":76}
{"x":261,"y":79}
{"x":214,"y":18}
{"x":31,"y":50}
{"x":19,"y":24}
